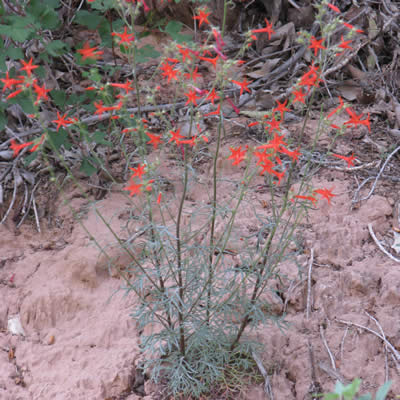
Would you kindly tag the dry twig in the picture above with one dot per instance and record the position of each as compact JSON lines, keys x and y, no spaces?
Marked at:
{"x":308,"y":310}
{"x":371,"y":232}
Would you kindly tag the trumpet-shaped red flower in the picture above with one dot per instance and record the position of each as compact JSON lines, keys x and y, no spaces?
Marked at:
{"x":316,"y":44}
{"x":41,"y":92}
{"x":10,"y":82}
{"x":133,"y":188}
{"x":213,"y":61}
{"x":203,"y":16}
{"x":124,"y":37}
{"x":89,"y":52}
{"x":309,"y":198}
{"x":267,"y":166}
{"x":191,"y":142}
{"x":294,"y":155}
{"x":100,"y":108}
{"x":356,"y":119}
{"x":61,"y":121}
{"x":155,"y":140}
{"x":176,"y":136}
{"x":184,"y":52}
{"x":216,"y":112}
{"x":299,"y":96}
{"x":243,"y":85}
{"x":326,"y":193}
{"x":28,"y":67}
{"x":18,"y":147}
{"x":263,"y":157}
{"x":169,"y":71}
{"x":193,"y":75}
{"x":192,"y":97}
{"x":276,"y":143}
{"x":268,"y":29}
{"x":345,"y":44}
{"x":139,"y":171}
{"x":310,"y":78}
{"x":274,"y":124}
{"x":337,"y":108}
{"x":237,"y":155}
{"x":126,"y":86}
{"x":281,"y":108}
{"x":349,"y":159}
{"x":333,"y":7}
{"x":212,"y":95}
{"x":14,"y":94}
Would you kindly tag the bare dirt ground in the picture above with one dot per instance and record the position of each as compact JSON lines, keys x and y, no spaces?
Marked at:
{"x":79,"y":341}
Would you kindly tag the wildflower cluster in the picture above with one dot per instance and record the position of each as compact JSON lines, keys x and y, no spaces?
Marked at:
{"x":194,"y":288}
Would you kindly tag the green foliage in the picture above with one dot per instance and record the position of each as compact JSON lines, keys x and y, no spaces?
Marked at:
{"x":88,"y":166}
{"x":146,"y":53}
{"x":348,"y":392}
{"x":174,"y":28}
{"x":90,"y":19}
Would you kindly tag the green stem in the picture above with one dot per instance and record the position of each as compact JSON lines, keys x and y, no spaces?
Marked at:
{"x":213,"y":218}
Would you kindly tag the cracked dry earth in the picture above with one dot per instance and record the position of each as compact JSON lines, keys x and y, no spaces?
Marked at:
{"x":80,"y":342}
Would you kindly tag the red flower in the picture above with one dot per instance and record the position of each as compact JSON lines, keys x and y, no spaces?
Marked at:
{"x":202,"y":16}
{"x":155,"y":140}
{"x":273,"y":125}
{"x":176,"y":136}
{"x":213,"y":61}
{"x":100,"y":108}
{"x":267,"y":29}
{"x":126,"y":86}
{"x":61,"y":121}
{"x":281,"y":108}
{"x":310,"y":198}
{"x":89,"y":52}
{"x":133,"y":188}
{"x":18,"y":147}
{"x":10,"y":82}
{"x":41,"y":92}
{"x":169,"y":71}
{"x":352,"y":27}
{"x":337,"y":108}
{"x":316,"y":44}
{"x":28,"y":67}
{"x":326,"y":193}
{"x":344,"y":44}
{"x":191,"y":142}
{"x":294,"y":155}
{"x":38,"y":143}
{"x":193,"y":75}
{"x":334,"y":8}
{"x":355,"y":119}
{"x":13,"y":94}
{"x":310,"y":78}
{"x":243,"y":85}
{"x":184,"y":52}
{"x":299,"y":96}
{"x":212,"y":95}
{"x":274,"y":144}
{"x":192,"y":97}
{"x":124,"y":37}
{"x":139,"y":171}
{"x":237,"y":155}
{"x":349,"y":159}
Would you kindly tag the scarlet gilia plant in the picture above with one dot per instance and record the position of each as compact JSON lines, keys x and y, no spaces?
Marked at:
{"x":202,"y":276}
